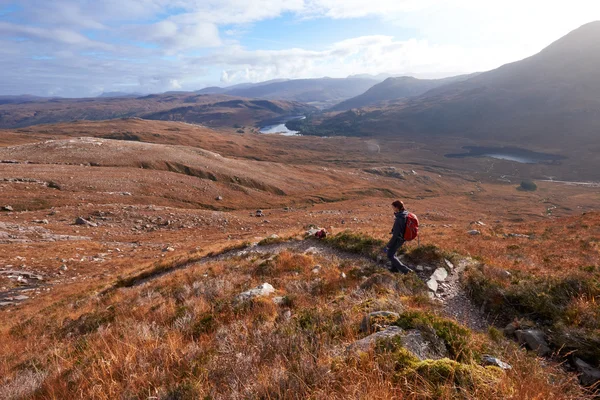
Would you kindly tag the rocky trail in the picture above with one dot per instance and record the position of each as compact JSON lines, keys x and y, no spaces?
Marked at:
{"x":443,"y":283}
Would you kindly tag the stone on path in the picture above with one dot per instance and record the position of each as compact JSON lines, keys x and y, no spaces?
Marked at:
{"x":432,"y":284}
{"x":440,"y":274}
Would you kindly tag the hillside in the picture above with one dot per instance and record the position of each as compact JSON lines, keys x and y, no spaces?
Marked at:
{"x":210,"y":110}
{"x":161,"y":257}
{"x":534,"y":102}
{"x":395,"y":88}
{"x":321,"y":93}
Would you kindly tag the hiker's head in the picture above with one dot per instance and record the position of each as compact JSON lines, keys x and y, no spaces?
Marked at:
{"x":398,"y":206}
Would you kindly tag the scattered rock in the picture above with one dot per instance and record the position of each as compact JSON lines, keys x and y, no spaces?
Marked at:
{"x":379,"y":281}
{"x":588,"y":375}
{"x":440,"y":274}
{"x":489,"y":360}
{"x":219,"y":198}
{"x":432,"y":285}
{"x":449,"y":263}
{"x":316,"y":269}
{"x":259,"y":213}
{"x":7,"y":208}
{"x":424,"y":346}
{"x":262,"y":290}
{"x":419,"y":268}
{"x":63,"y":267}
{"x":168,"y":249}
{"x":378,"y":320}
{"x":343,"y":275}
{"x":279,"y":300}
{"x":474,"y":232}
{"x":534,"y":339}
{"x":518,"y":235}
{"x":26,"y":274}
{"x":83,"y":221}
{"x":41,"y":221}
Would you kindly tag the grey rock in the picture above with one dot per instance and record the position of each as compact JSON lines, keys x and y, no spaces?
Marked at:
{"x":474,"y":232}
{"x":377,"y":319}
{"x":419,"y":268}
{"x":63,"y":267}
{"x":440,"y":274}
{"x":365,"y":344}
{"x":260,"y":291}
{"x":588,"y":375}
{"x":26,"y":274}
{"x":85,"y":222}
{"x":449,"y":263}
{"x":534,"y":339}
{"x":489,"y":360}
{"x":316,"y":269}
{"x":7,"y":208}
{"x":380,"y":281}
{"x":219,"y":198}
{"x":432,"y":285}
{"x":424,"y":346}
{"x":510,"y":329}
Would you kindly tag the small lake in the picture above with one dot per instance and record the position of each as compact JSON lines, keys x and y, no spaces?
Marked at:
{"x":515,"y":154}
{"x":280,"y":129}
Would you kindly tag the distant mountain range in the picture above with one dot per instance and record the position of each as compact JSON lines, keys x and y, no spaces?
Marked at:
{"x":209,"y":110}
{"x":395,"y":88}
{"x":321,"y":92}
{"x":551,"y":99}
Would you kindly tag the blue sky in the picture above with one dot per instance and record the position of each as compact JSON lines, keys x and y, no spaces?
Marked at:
{"x":76,"y":48}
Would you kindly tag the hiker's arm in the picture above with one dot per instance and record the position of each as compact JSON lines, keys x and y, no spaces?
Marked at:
{"x":397,"y":232}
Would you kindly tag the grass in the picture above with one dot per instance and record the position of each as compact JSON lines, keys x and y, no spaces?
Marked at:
{"x":566,"y":306}
{"x":357,"y":243}
{"x":183,"y":336}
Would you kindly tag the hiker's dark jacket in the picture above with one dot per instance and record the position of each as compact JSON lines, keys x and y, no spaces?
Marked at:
{"x":398,"y":229}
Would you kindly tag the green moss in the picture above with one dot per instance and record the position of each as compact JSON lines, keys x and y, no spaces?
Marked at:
{"x":445,"y":371}
{"x":356,"y":243}
{"x":457,"y":338}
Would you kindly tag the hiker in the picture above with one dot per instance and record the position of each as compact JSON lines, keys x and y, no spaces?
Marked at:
{"x":397,"y":239}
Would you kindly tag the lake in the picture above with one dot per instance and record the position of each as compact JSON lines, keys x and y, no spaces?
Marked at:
{"x":515,"y":154}
{"x":280,"y":129}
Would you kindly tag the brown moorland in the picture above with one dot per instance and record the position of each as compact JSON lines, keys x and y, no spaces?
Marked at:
{"x":177,"y":193}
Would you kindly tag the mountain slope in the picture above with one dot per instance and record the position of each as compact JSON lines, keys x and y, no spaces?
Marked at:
{"x":534,"y":102}
{"x":320,"y":92}
{"x":395,"y":88}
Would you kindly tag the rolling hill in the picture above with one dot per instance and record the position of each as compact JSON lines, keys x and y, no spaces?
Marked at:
{"x":535,"y":102}
{"x":210,"y":110}
{"x":395,"y":88}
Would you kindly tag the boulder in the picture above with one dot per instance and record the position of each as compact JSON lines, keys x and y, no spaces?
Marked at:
{"x":440,"y":274}
{"x":496,"y":362}
{"x":588,"y":375}
{"x":432,"y":285}
{"x":260,"y":291}
{"x":85,"y":222}
{"x":365,"y":344}
{"x":534,"y":339}
{"x":378,"y":319}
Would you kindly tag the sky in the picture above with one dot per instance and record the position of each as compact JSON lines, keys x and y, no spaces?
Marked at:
{"x":80,"y":48}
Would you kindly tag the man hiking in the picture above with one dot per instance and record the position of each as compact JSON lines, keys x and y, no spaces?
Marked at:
{"x":398,"y":238}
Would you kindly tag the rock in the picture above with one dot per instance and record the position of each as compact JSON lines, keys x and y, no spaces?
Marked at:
{"x":312,"y":250}
{"x":366,"y":343}
{"x":279,"y":300}
{"x":316,"y":269}
{"x":449,"y":263}
{"x":287,"y":314}
{"x":432,"y":285}
{"x":20,"y":298}
{"x":510,"y":329}
{"x":83,"y":221}
{"x":259,"y":213}
{"x":7,"y":208}
{"x":474,"y":232}
{"x":378,"y":319}
{"x":479,"y":223}
{"x":419,"y":268}
{"x":535,"y":341}
{"x":489,"y":360}
{"x":312,"y":231}
{"x":518,"y":235}
{"x":424,"y":346}
{"x":260,"y":291}
{"x":63,"y":267}
{"x":219,"y":198}
{"x":440,"y":274}
{"x":343,"y":275}
{"x":588,"y":375}
{"x":41,"y":221}
{"x":30,"y":275}
{"x":168,"y":249}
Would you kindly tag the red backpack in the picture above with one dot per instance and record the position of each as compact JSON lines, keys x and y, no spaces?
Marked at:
{"x":412,"y":227}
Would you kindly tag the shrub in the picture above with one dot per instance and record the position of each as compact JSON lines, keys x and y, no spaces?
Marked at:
{"x":528,"y":186}
{"x":358,"y":243}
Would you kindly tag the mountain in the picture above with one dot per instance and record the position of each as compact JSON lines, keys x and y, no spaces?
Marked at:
{"x":118,"y":94}
{"x":322,"y":92}
{"x":395,"y":88}
{"x":25,"y":98}
{"x":212,"y":110}
{"x":536,"y":102}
